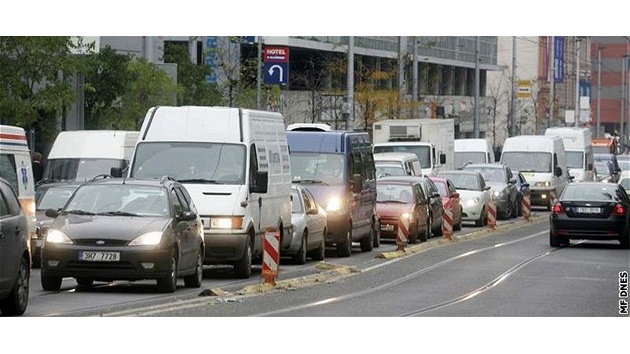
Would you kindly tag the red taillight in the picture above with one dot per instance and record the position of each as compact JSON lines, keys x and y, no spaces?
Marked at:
{"x":558,"y":209}
{"x":619,"y":210}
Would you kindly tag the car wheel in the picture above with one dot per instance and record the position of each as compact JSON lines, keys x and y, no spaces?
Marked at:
{"x":367,"y":243}
{"x":168,"y":283}
{"x":243,"y":267}
{"x":425,"y":232}
{"x":85,"y":281}
{"x":482,"y":218}
{"x":194,"y":280}
{"x":377,"y":232}
{"x":50,"y":283}
{"x":413,"y":235}
{"x":15,"y":304}
{"x":554,"y":241}
{"x":300,"y":256}
{"x":344,"y":249}
{"x":320,"y":252}
{"x":438,"y":231}
{"x":507,"y":213}
{"x":429,"y":227}
{"x":624,"y":241}
{"x":458,"y":226}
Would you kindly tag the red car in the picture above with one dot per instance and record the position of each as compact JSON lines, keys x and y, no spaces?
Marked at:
{"x":402,"y":200}
{"x":450,"y":197}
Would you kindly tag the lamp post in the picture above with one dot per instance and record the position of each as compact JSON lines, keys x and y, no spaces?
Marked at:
{"x":599,"y":89}
{"x":577,"y":81}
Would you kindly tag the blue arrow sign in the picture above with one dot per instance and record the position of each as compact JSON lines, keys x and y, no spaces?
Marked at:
{"x":276,"y":73}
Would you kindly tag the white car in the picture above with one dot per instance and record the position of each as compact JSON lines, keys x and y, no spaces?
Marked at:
{"x":309,"y":227}
{"x":624,"y":180}
{"x":474,"y":194}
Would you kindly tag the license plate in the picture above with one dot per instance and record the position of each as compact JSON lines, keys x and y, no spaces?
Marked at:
{"x":99,"y":256}
{"x":587,"y":210}
{"x":387,"y":227}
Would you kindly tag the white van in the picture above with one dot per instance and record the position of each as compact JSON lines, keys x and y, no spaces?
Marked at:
{"x":542,"y":160}
{"x":397,"y":164}
{"x":82,"y":154}
{"x":235,"y":165}
{"x":468,"y":151}
{"x":16,"y":168}
{"x":579,"y":150}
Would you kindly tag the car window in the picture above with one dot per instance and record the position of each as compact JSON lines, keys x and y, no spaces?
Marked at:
{"x":4,"y":209}
{"x":591,"y":192}
{"x":11,"y":200}
{"x":182,"y":199}
{"x":451,"y":187}
{"x":420,"y":193}
{"x":177,"y":205}
{"x":296,"y":206}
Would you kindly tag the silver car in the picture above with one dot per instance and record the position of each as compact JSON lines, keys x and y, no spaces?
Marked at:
{"x":502,"y":182}
{"x":309,"y":227}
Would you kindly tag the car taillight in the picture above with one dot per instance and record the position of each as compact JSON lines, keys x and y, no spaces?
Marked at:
{"x":619,"y":210}
{"x":558,"y":208}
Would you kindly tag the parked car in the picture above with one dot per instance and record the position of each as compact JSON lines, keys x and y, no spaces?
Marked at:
{"x":474,"y":193}
{"x":397,"y":164}
{"x":52,"y":195}
{"x":523,"y":190}
{"x":610,"y":174}
{"x":502,"y":184}
{"x":15,"y":260}
{"x":125,"y":229}
{"x":309,"y":226}
{"x":590,"y":211}
{"x":403,"y":198}
{"x":450,"y":199}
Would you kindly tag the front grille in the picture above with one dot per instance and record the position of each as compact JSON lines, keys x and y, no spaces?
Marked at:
{"x":99,"y":242}
{"x":124,"y":265}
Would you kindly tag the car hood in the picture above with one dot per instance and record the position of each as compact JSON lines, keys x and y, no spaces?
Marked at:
{"x":497,"y":186}
{"x":467,"y":194}
{"x":107,"y":227}
{"x":217,"y":199}
{"x":392,"y":209}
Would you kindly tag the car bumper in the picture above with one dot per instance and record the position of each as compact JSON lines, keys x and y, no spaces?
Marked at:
{"x":389,"y":228}
{"x":542,"y":197}
{"x":224,"y":247}
{"x":588,"y":228}
{"x":472,"y":212}
{"x":337,"y":225}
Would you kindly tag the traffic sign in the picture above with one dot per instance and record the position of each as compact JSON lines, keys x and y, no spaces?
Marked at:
{"x":276,"y":65}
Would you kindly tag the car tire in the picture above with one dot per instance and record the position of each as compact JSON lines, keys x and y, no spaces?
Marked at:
{"x":425,"y":232}
{"x":377,"y":238}
{"x":344,"y":249}
{"x":554,"y":241}
{"x":50,"y":283}
{"x":507,"y":213}
{"x":17,"y":301}
{"x":413,"y":235}
{"x":482,"y":218}
{"x":300,"y":256}
{"x":168,"y":283}
{"x":367,"y":243}
{"x":429,"y":227}
{"x":194,"y":280}
{"x":438,"y":231}
{"x":320,"y":252}
{"x":84,"y":281}
{"x":624,"y":241}
{"x":458,"y":226}
{"x":243,"y":267}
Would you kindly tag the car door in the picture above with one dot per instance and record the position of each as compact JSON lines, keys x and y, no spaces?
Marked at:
{"x":315,"y":222}
{"x":184,"y":230}
{"x":13,"y":231}
{"x":436,"y":202}
{"x":422,"y":206}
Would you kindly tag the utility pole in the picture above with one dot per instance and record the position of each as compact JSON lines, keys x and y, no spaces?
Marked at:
{"x":414,"y":73}
{"x":577,"y":81}
{"x":258,"y":73}
{"x":476,"y":124}
{"x":401,"y":74}
{"x":551,"y":80}
{"x":599,"y":90}
{"x":350,"y":85}
{"x":512,"y":129}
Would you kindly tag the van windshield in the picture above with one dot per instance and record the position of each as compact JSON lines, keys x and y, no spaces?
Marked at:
{"x":422,"y":151}
{"x":191,"y":162}
{"x":575,"y":159}
{"x":80,"y":169}
{"x":527,"y":161}
{"x":322,"y":168}
{"x":462,"y":158}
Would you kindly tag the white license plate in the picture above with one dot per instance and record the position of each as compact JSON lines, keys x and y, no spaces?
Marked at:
{"x":587,"y":210}
{"x":387,"y":227}
{"x":99,"y":256}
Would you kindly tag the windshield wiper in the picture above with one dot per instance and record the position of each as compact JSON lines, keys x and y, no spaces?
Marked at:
{"x":314,"y":181}
{"x":118,"y":213}
{"x":199,"y":180}
{"x":391,"y":201}
{"x":79,"y":212}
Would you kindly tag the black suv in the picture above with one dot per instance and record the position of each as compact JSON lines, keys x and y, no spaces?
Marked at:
{"x":125,"y":229}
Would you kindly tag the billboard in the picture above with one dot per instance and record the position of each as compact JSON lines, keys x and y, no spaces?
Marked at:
{"x":558,"y":59}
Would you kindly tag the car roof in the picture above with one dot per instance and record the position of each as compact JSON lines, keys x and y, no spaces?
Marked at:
{"x":457,"y":172}
{"x":394,"y":156}
{"x":485,"y":165}
{"x":401,"y":179}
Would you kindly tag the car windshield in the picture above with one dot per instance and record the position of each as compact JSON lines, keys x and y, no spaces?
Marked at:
{"x":575,"y":159}
{"x":191,"y":162}
{"x":490,"y":174}
{"x":527,"y":161}
{"x":441,"y":187}
{"x":423,"y":152}
{"x":296,"y":206}
{"x":462,"y":158}
{"x":389,"y":169}
{"x":397,"y":193}
{"x":53,"y":197}
{"x":80,"y":169}
{"x":119,"y":199}
{"x":463,"y":181}
{"x":591,"y":193}
{"x":328,"y":169}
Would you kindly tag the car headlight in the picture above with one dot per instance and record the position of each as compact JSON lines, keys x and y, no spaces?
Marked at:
{"x":472,"y":201}
{"x":56,"y":236}
{"x":542,"y":184}
{"x":150,"y":238}
{"x":334,"y":204}
{"x":407,"y":216}
{"x":235,"y":222}
{"x":496,"y":193}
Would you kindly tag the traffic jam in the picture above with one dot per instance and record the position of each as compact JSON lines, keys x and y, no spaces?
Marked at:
{"x":203,"y":186}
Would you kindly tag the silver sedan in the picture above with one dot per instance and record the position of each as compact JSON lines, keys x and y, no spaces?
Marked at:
{"x":309,"y":227}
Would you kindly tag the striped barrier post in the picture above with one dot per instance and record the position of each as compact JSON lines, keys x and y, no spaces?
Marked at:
{"x":492,"y":216}
{"x":271,"y":255}
{"x":402,"y":234}
{"x":447,"y":225}
{"x":526,"y":203}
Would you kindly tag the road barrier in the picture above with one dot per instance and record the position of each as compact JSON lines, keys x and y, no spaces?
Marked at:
{"x":447,"y":225}
{"x":402,"y":235}
{"x":271,"y":255}
{"x":492,"y":216}
{"x":526,"y":204}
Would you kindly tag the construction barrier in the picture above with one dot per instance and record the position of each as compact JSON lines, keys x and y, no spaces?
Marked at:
{"x":271,"y":255}
{"x":492,"y":216}
{"x":526,"y":204}
{"x":402,"y":235}
{"x":447,"y":225}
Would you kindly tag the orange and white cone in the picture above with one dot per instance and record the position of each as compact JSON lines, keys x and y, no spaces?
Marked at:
{"x":447,"y":225}
{"x":526,"y":207}
{"x":492,"y":216}
{"x":271,"y":255}
{"x":402,"y":235}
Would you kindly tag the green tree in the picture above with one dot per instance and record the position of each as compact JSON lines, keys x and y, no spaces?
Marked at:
{"x":33,"y":91}
{"x":191,"y":78}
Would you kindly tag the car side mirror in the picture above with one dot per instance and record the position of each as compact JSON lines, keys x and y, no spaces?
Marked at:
{"x":455,"y":195}
{"x":187,"y":216}
{"x":356,"y":184}
{"x":116,"y":172}
{"x":486,"y":188}
{"x":512,"y":180}
{"x":524,"y":185}
{"x":52,"y":213}
{"x":558,"y":171}
{"x":312,"y":211}
{"x":442,"y":159}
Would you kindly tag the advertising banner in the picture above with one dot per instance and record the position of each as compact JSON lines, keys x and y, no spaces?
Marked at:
{"x":558,"y":59}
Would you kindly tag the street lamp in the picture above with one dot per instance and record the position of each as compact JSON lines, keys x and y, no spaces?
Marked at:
{"x":599,"y":88}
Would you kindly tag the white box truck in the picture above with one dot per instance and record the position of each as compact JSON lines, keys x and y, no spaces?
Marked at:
{"x":235,"y":165}
{"x":82,"y":154}
{"x":430,"y":139}
{"x":579,"y":150}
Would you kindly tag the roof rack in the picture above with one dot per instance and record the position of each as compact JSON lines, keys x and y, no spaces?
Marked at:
{"x":166,"y":178}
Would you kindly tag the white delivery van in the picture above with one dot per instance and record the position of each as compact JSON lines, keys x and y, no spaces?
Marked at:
{"x":397,"y":164}
{"x":235,"y":165}
{"x":579,"y":150}
{"x":468,"y":151}
{"x":82,"y":154}
{"x":542,"y":160}
{"x":16,"y":168}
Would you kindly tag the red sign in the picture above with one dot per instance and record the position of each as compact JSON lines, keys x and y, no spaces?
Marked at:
{"x":276,"y":55}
